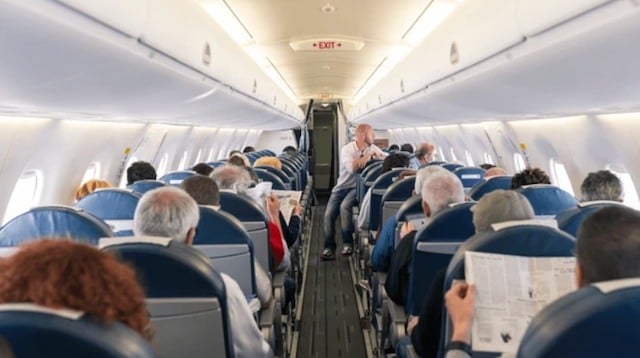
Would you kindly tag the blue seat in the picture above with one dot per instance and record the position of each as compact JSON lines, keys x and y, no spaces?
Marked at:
{"x":435,"y":162}
{"x":294,"y":173}
{"x":469,"y":176}
{"x":488,"y":185}
{"x":224,"y":240}
{"x":600,"y":320}
{"x":217,"y":163}
{"x":114,"y":206}
{"x":276,"y":182}
{"x":37,"y":332}
{"x":186,"y":297}
{"x":254,"y":221}
{"x":548,"y":200}
{"x":175,"y":178}
{"x":395,"y":197}
{"x":143,"y":186}
{"x":54,"y":222}
{"x":434,"y":247}
{"x":378,"y":189}
{"x":287,"y":180}
{"x":366,"y":178}
{"x":451,"y":166}
{"x":523,"y":238}
{"x":410,"y":210}
{"x":569,"y":220}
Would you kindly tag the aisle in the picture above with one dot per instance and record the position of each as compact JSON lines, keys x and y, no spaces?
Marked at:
{"x":329,"y":324}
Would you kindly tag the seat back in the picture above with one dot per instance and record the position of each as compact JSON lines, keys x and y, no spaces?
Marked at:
{"x":279,"y":173}
{"x":434,"y":247}
{"x":599,"y":320}
{"x":54,"y":222}
{"x":548,"y":200}
{"x":175,"y":178}
{"x":435,"y":162}
{"x":186,"y":297}
{"x":369,"y":174}
{"x":226,"y":243}
{"x":522,"y":238}
{"x":277,"y":183}
{"x":378,"y":189}
{"x":254,"y":221}
{"x":394,"y":197}
{"x":410,"y":210}
{"x":38,"y":332}
{"x":143,"y":186}
{"x":115,"y":206}
{"x":569,"y":220}
{"x":469,"y":176}
{"x":488,"y":185}
{"x":217,"y":163}
{"x":451,"y":166}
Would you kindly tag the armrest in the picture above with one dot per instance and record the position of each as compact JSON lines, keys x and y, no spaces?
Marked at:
{"x":393,"y":322}
{"x":278,"y":279}
{"x":267,"y":315}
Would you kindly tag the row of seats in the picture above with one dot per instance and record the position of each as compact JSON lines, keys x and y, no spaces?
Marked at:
{"x":228,"y":240}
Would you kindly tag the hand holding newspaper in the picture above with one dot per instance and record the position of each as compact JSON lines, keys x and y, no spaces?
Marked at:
{"x":510,"y":291}
{"x":288,"y":201}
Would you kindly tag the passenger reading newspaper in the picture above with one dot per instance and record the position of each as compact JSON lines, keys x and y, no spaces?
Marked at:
{"x":510,"y":290}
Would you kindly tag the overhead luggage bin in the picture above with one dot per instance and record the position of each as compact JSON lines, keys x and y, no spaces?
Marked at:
{"x":128,"y":17}
{"x":535,"y":16}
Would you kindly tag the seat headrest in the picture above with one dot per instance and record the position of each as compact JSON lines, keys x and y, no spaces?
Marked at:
{"x":548,"y":199}
{"x":36,"y":331}
{"x":515,"y":223}
{"x":241,"y":207}
{"x":454,"y":223}
{"x":569,"y":220}
{"x":175,"y":178}
{"x":400,"y":189}
{"x":217,"y":227}
{"x":115,"y":206}
{"x":54,"y":222}
{"x":488,"y":185}
{"x":143,"y":186}
{"x":469,"y":176}
{"x":410,"y":206}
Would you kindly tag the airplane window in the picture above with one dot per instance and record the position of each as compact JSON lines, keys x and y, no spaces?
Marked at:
{"x":92,"y":172}
{"x":453,"y":156}
{"x":25,"y":195}
{"x":519,"y":162}
{"x":630,"y":193}
{"x":198,"y":157}
{"x":469,"y":159}
{"x":123,"y":177}
{"x":162,"y":167}
{"x":488,"y":159}
{"x":439,"y":155}
{"x":560,"y":176}
{"x":183,"y":161}
{"x":211,"y":157}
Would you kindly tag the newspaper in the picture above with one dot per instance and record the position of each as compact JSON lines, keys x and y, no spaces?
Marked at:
{"x":260,"y":192}
{"x":288,"y":201}
{"x":510,"y":291}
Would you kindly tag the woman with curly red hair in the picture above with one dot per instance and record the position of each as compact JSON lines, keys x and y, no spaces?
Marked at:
{"x":67,"y":274}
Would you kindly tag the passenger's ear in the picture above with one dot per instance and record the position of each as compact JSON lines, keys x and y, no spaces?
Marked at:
{"x":425,"y":209}
{"x":191,"y":234}
{"x":579,"y":277}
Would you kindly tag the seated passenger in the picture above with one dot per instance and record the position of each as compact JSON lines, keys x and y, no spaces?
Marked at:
{"x":406,"y":148}
{"x":394,"y":160}
{"x":607,"y":248}
{"x":67,"y":274}
{"x":248,"y":149}
{"x":495,"y":207}
{"x":289,"y":149}
{"x":170,"y":212}
{"x":423,"y":155}
{"x":140,"y":170}
{"x":239,"y":160}
{"x":494,"y":172}
{"x":204,"y":191}
{"x":268,"y":162}
{"x":237,"y":180}
{"x":90,"y":186}
{"x":202,"y":168}
{"x":383,"y":249}
{"x":602,"y":185}
{"x":393,"y":148}
{"x":438,"y":191}
{"x":529,"y":176}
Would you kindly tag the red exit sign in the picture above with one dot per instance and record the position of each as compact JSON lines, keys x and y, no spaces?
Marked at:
{"x":327,"y":45}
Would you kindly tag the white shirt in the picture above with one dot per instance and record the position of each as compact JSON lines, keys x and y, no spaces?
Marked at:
{"x":349,"y":154}
{"x":248,"y":341}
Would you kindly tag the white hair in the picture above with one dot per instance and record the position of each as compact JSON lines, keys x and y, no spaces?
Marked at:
{"x":440,"y":189}
{"x":231,"y":177}
{"x":499,"y":206}
{"x":423,"y":173}
{"x":166,"y":211}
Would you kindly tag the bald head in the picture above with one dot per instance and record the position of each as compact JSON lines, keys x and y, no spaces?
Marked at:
{"x":494,"y":172}
{"x":166,"y":212}
{"x":500,"y":206}
{"x":364,"y":135}
{"x":231,"y":177}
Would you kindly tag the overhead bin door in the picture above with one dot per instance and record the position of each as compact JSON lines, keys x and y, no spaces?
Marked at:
{"x":127,"y":16}
{"x":535,"y":16}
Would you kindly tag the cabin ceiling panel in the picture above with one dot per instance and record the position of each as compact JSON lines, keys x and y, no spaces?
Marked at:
{"x":380,"y":24}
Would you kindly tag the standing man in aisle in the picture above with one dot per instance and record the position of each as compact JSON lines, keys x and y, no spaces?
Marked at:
{"x":353,"y":157}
